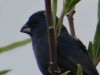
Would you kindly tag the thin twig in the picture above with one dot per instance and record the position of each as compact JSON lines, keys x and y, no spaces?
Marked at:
{"x":54,"y":10}
{"x":51,"y":38}
{"x":71,"y":23}
{"x":97,"y":61}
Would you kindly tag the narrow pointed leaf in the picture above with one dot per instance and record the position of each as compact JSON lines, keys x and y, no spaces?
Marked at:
{"x":68,"y":5}
{"x":14,"y":45}
{"x":79,"y":71}
{"x":96,"y":42}
{"x":4,"y":72}
{"x":65,"y":73}
{"x":90,"y":50}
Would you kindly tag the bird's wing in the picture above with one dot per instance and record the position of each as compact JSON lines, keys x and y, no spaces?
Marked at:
{"x":88,"y":60}
{"x":73,"y":52}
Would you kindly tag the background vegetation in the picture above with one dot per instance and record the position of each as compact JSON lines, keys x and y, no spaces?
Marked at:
{"x":69,"y":5}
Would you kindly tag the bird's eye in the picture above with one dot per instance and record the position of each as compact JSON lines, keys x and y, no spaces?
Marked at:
{"x":32,"y":24}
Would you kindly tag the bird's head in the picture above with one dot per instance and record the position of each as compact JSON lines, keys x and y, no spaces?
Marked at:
{"x":36,"y":24}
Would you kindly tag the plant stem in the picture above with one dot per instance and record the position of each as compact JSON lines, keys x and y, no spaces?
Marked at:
{"x":71,"y":23}
{"x":54,"y":10}
{"x":51,"y":38}
{"x":97,"y":61}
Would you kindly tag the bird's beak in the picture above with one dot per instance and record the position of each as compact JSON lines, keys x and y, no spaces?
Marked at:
{"x":26,"y":29}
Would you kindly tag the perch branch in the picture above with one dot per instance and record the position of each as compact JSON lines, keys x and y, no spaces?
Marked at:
{"x":51,"y":38}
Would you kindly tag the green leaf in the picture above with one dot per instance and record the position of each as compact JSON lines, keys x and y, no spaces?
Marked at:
{"x":65,"y":73}
{"x":79,"y":71}
{"x":68,"y":5}
{"x":4,"y":72}
{"x":98,"y":9}
{"x":14,"y":45}
{"x":96,"y":42}
{"x":97,"y":34}
{"x":90,"y":50}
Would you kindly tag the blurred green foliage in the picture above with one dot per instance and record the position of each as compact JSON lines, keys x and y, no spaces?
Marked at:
{"x":94,"y":46}
{"x":68,"y":5}
{"x":79,"y":71}
{"x":65,"y":73}
{"x":14,"y":45}
{"x":4,"y":72}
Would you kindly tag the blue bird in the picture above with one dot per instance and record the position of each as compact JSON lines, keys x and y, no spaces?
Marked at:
{"x":70,"y":51}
